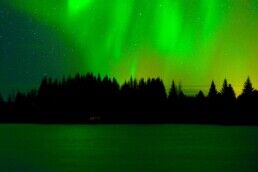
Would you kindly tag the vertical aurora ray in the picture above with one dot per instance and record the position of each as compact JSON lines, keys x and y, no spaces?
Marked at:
{"x":192,"y":41}
{"x":168,"y":25}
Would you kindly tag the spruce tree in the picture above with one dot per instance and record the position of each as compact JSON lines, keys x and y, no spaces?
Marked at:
{"x":248,"y":88}
{"x":173,"y":94}
{"x":213,"y":93}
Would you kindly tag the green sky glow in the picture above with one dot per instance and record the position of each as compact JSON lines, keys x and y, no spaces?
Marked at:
{"x":77,"y":6}
{"x":191,"y":41}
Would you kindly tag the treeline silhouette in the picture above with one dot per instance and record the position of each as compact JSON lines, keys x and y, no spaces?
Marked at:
{"x":92,"y":99}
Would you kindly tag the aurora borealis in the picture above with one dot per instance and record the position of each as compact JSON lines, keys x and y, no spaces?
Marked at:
{"x":190,"y":41}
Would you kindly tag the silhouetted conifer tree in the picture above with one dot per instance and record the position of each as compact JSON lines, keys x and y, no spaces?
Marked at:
{"x":180,"y":91}
{"x":43,"y":85}
{"x":248,"y":88}
{"x":227,"y":93}
{"x":231,"y":93}
{"x":246,"y":99}
{"x":224,"y":87}
{"x":173,"y":94}
{"x":213,"y":103}
{"x":200,"y":95}
{"x":213,"y":93}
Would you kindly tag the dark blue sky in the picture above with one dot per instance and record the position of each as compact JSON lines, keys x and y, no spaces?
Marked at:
{"x":28,"y":51}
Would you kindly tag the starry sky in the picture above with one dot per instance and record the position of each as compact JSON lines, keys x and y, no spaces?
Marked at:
{"x":190,"y":41}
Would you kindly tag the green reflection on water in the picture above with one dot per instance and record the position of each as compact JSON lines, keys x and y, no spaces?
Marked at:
{"x":128,"y":148}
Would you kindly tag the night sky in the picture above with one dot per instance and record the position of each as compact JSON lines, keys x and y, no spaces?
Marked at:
{"x":190,"y":41}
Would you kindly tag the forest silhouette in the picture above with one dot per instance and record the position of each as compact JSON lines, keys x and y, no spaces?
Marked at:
{"x":92,"y":99}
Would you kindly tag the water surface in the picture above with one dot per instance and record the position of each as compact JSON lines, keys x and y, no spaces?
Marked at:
{"x":47,"y":148}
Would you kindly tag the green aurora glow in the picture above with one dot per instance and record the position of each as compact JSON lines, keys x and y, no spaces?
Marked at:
{"x":190,"y":41}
